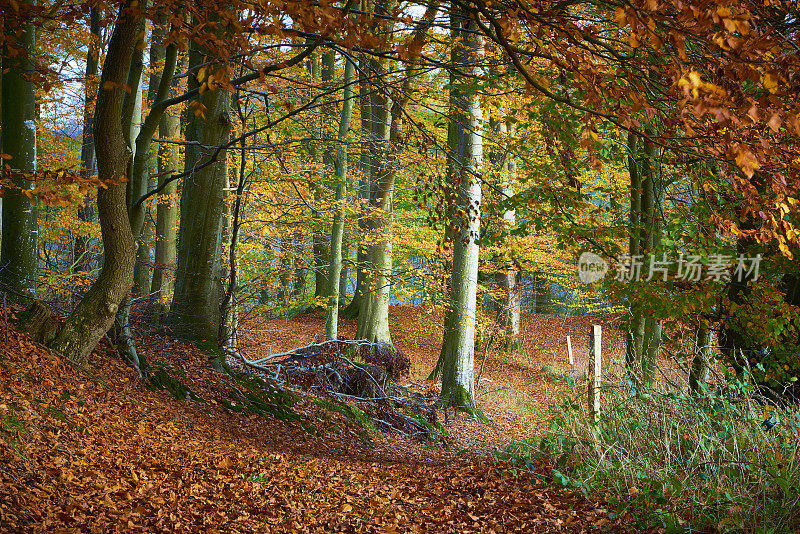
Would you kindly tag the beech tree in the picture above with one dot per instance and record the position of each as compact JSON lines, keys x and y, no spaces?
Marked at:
{"x":18,"y":251}
{"x":194,"y":313}
{"x":96,"y":311}
{"x":337,"y":229}
{"x":456,"y":361}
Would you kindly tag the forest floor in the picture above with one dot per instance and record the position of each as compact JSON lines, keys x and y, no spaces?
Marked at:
{"x":94,"y":450}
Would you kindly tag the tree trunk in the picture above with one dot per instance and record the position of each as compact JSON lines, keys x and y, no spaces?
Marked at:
{"x":643,"y":340}
{"x":354,"y":307}
{"x":459,"y":350}
{"x":164,"y":60}
{"x":507,"y":278}
{"x":337,"y":230}
{"x":194,"y":313}
{"x":635,"y":335}
{"x":344,"y":274}
{"x":373,"y":317}
{"x":702,"y":360}
{"x":80,"y":258}
{"x":651,"y":342}
{"x":18,"y":251}
{"x":95,"y":313}
{"x":319,"y":239}
{"x":166,"y":210}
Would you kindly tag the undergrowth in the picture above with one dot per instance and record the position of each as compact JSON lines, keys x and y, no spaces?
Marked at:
{"x":678,"y":462}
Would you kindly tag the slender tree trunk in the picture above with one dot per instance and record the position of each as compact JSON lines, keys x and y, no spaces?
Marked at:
{"x":81,"y":258}
{"x":194,"y":313}
{"x":352,"y":310}
{"x":651,"y":180}
{"x":702,"y":360}
{"x":18,"y":251}
{"x":344,"y":274}
{"x":229,"y":325}
{"x":459,"y":350}
{"x":319,"y":239}
{"x":635,"y":334}
{"x":96,"y":311}
{"x":337,"y":231}
{"x":166,"y":210}
{"x":507,"y":278}
{"x":300,"y":270}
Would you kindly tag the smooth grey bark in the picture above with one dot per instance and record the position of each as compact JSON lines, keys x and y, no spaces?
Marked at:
{"x":229,"y":324}
{"x":194,"y":313}
{"x":344,"y":274}
{"x":95,"y":313}
{"x":457,"y":369}
{"x":337,"y":230}
{"x":20,"y":229}
{"x":300,"y":269}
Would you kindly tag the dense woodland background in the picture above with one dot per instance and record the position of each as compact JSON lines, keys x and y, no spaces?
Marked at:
{"x":193,"y":172}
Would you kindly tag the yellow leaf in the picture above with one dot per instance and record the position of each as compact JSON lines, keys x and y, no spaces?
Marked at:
{"x":770,"y":82}
{"x":619,"y":16}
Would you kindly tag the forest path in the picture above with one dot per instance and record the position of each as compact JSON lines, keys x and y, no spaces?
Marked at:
{"x":101,"y":453}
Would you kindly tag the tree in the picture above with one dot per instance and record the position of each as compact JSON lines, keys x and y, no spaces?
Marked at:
{"x":169,"y":129}
{"x":80,"y":256}
{"x":95,"y":312}
{"x":457,"y":358}
{"x":337,"y":230}
{"x":373,"y":317}
{"x":18,"y":251}
{"x":194,"y":313}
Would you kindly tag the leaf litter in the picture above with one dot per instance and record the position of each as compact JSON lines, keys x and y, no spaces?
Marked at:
{"x":95,"y":450}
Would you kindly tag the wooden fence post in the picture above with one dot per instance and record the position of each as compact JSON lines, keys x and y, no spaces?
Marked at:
{"x":569,"y":351}
{"x":593,"y":371}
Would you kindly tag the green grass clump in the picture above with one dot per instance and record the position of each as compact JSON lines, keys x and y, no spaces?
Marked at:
{"x":11,"y":428}
{"x":676,"y":461}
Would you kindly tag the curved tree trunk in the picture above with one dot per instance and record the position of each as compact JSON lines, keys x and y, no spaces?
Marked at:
{"x":18,"y":252}
{"x":95,"y":312}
